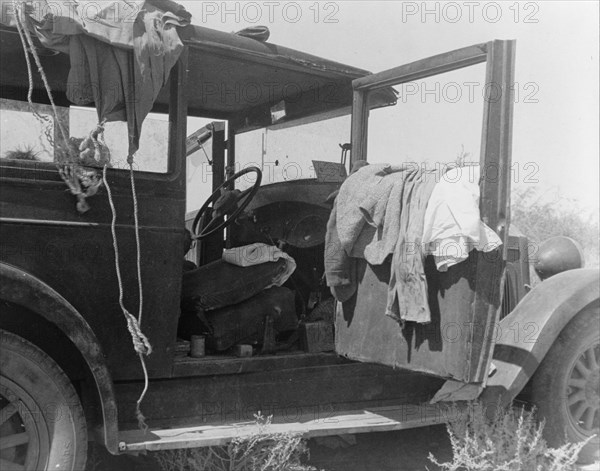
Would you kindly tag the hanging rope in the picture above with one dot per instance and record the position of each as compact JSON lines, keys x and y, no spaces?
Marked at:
{"x":140,"y":417}
{"x":44,"y":120}
{"x":82,"y":184}
{"x":74,"y":179}
{"x":140,"y":341}
{"x":24,"y":31}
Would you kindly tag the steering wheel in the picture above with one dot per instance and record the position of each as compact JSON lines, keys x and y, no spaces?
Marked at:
{"x":225,"y":202}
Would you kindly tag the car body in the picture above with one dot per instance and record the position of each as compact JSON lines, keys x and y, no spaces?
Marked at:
{"x":59,"y":289}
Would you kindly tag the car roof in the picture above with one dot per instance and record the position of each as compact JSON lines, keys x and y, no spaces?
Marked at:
{"x":229,"y":77}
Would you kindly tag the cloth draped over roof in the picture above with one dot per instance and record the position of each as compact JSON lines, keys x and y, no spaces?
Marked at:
{"x":121,"y":51}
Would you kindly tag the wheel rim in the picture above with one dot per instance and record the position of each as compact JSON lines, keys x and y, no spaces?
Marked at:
{"x":23,"y":432}
{"x":583,"y":395}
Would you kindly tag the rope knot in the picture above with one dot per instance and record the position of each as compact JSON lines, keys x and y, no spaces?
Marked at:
{"x":140,"y":341}
{"x":141,"y":344}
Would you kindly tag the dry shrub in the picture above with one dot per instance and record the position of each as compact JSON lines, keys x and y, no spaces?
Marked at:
{"x":511,"y":442}
{"x":261,"y":451}
{"x":22,"y":153}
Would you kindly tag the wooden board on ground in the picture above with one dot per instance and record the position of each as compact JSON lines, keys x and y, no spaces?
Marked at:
{"x":382,"y":419}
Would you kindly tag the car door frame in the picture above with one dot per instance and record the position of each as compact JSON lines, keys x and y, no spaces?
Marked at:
{"x":495,"y":156}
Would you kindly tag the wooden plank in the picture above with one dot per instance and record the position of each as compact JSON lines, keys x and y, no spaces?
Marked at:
{"x":309,"y":66}
{"x":211,"y":248}
{"x":230,"y":168}
{"x":359,"y":126}
{"x":178,"y":114}
{"x":381,"y":419}
{"x":424,"y":68}
{"x":496,"y":141}
{"x":496,"y":155}
{"x":218,"y":154}
{"x":61,"y":120}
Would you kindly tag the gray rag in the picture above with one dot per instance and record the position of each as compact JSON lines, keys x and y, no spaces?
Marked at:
{"x":378,"y":212}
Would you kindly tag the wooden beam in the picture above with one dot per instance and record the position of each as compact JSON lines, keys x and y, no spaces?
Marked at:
{"x":424,"y":68}
{"x":213,"y":245}
{"x":496,"y":140}
{"x":61,"y":120}
{"x":218,"y":154}
{"x":360,"y":126}
{"x":494,"y":205}
{"x":178,"y":115}
{"x":380,"y":419}
{"x":230,"y":168}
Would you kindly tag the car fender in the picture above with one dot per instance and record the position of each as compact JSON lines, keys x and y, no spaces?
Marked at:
{"x":524,"y":336}
{"x":23,"y":289}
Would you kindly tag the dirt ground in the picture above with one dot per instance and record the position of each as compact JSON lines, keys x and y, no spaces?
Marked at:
{"x":405,"y":450}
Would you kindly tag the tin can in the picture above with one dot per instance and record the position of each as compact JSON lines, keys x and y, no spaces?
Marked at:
{"x":197,"y":346}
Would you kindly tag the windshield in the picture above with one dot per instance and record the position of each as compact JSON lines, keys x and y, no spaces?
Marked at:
{"x":286,"y":154}
{"x":295,"y":153}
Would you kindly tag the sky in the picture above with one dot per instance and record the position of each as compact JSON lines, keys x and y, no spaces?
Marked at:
{"x":556,"y":114}
{"x":556,"y":120}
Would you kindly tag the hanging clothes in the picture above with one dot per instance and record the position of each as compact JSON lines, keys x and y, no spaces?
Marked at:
{"x":379,"y":212}
{"x":121,"y":52}
{"x":453,"y":225}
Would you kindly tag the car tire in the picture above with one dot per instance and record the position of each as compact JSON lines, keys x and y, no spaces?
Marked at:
{"x":42,"y":424}
{"x":565,"y":387}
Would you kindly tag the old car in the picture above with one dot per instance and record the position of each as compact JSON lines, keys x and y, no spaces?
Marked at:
{"x":73,"y":276}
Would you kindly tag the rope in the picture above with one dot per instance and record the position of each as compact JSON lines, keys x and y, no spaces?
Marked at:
{"x":140,"y":417}
{"x":44,"y":120}
{"x":23,"y":30}
{"x":140,"y":341}
{"x":137,"y":238}
{"x":68,"y":173}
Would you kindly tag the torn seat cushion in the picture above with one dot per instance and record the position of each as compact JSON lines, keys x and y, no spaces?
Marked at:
{"x":219,"y":284}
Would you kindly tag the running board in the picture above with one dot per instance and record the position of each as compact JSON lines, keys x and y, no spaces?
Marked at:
{"x":380,"y":419}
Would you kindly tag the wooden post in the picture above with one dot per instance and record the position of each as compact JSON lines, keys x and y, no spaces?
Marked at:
{"x":178,"y":117}
{"x":61,"y":119}
{"x":496,"y":139}
{"x":218,"y":154}
{"x":230,"y":169}
{"x":213,"y":245}
{"x":494,"y":204}
{"x":360,"y":126}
